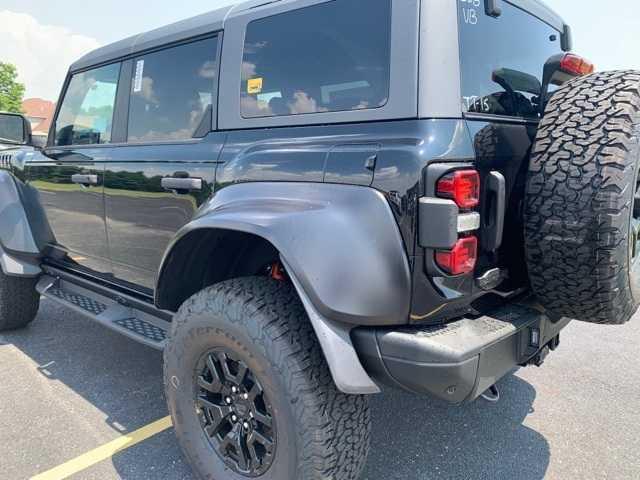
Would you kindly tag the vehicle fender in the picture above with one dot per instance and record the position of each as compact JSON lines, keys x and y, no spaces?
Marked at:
{"x":17,"y":267}
{"x":19,"y":247}
{"x":340,"y":242}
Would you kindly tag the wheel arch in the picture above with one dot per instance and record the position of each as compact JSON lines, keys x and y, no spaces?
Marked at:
{"x":249,"y":252}
{"x":329,"y":236}
{"x":340,"y":245}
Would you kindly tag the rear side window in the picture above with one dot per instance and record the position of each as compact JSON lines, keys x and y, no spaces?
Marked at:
{"x":502,"y":59}
{"x":172,"y":92}
{"x":86,"y":112}
{"x":329,"y":57}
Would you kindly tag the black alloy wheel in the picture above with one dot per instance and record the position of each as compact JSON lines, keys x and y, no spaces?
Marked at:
{"x":235,"y":414}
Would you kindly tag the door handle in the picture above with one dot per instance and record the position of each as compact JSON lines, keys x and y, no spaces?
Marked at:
{"x":181,"y":184}
{"x":84,"y":179}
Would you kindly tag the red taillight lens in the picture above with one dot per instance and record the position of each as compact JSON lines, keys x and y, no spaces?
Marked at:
{"x":461,"y":258}
{"x":463,"y":186}
{"x":576,"y":65}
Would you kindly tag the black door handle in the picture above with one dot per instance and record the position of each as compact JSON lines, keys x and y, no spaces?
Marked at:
{"x":84,"y":179}
{"x":181,"y":184}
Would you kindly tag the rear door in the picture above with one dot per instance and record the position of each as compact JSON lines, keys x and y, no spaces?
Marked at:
{"x":502,"y":61}
{"x":161,"y":174}
{"x":70,"y":174}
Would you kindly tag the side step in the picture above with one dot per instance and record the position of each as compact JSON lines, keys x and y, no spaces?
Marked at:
{"x":113,"y":310}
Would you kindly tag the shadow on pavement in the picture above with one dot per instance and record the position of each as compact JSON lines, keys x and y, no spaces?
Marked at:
{"x":413,"y":438}
{"x":420,"y":438}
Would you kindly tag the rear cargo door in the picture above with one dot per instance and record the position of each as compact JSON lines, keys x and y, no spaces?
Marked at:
{"x":502,"y":60}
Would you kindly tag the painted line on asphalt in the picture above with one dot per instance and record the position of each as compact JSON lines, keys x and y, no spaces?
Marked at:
{"x":104,"y":452}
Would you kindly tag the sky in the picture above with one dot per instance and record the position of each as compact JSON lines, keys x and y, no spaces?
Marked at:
{"x":42,"y":37}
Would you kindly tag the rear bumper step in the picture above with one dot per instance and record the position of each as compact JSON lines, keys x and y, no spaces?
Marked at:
{"x":114,"y":312}
{"x":459,"y":361}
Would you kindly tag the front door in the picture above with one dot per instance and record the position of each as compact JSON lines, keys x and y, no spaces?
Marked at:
{"x":70,"y":173}
{"x":165,"y":170}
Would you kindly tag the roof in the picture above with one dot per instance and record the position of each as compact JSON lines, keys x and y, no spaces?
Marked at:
{"x":37,"y":108}
{"x":541,"y":10}
{"x":191,"y":27}
{"x":214,"y":21}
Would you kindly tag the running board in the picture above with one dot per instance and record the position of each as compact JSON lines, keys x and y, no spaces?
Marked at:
{"x":111,"y":309}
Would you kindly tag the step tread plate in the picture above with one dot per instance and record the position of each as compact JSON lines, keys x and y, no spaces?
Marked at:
{"x":106,"y":311}
{"x":457,"y":341}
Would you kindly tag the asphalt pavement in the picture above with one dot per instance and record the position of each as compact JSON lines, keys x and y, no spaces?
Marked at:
{"x":68,"y":386}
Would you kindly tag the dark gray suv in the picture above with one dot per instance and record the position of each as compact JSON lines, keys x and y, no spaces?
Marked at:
{"x":303,"y":202}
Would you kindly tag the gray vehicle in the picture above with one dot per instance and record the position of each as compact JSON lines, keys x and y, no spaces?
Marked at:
{"x":341,"y":197}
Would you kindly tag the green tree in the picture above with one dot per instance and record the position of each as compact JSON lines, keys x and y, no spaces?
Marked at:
{"x":11,"y":91}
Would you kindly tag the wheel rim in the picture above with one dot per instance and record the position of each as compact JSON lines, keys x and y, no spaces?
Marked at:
{"x":234,"y":413}
{"x":634,"y":244}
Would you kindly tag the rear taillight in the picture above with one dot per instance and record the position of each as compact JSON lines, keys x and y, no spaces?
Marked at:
{"x":576,"y":65}
{"x":461,"y":258}
{"x":462,"y":186}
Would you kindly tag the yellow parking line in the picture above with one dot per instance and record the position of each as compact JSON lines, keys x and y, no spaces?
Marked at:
{"x":104,"y":452}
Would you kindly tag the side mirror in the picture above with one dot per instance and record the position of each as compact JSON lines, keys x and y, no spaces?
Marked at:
{"x":15,"y":129}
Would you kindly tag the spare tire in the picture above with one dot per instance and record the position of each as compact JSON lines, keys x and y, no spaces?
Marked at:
{"x":582,"y":206}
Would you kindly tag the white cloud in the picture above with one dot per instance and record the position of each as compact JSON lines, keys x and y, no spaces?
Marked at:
{"x":42,"y":53}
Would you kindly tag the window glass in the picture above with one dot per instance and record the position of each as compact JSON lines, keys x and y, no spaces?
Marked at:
{"x":172,"y":92}
{"x":86,"y":113}
{"x":503,"y":59}
{"x":329,"y":57}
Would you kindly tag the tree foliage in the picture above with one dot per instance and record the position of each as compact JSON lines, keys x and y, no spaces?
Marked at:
{"x":11,"y":91}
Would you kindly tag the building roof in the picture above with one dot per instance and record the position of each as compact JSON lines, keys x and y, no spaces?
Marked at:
{"x":37,"y":108}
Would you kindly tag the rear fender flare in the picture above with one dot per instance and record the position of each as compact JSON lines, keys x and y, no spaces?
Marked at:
{"x":341,"y":243}
{"x":342,"y":249}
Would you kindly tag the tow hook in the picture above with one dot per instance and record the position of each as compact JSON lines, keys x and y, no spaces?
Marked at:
{"x":492,"y":394}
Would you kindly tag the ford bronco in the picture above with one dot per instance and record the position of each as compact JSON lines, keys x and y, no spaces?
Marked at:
{"x":304,"y":202}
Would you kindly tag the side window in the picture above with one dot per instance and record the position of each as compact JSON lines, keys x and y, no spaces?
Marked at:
{"x":86,"y":112}
{"x":325,"y":58}
{"x":172,"y":92}
{"x":502,"y":59}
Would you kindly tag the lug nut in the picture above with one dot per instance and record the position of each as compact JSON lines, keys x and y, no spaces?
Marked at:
{"x":228,"y":400}
{"x":246,"y":425}
{"x":245,"y":396}
{"x":234,"y":390}
{"x":234,"y":418}
{"x":251,"y":414}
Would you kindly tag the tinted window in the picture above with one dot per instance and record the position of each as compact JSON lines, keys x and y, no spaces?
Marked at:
{"x":503,"y":59}
{"x":329,"y":57}
{"x":86,"y":113}
{"x":172,"y":92}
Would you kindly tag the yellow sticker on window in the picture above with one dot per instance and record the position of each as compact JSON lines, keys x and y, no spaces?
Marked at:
{"x":254,"y":86}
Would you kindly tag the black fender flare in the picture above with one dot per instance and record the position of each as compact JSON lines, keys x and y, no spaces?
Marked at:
{"x":342,"y":249}
{"x":19,"y":246}
{"x":341,"y":243}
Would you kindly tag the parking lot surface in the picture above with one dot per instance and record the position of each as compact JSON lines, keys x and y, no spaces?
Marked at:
{"x":69,"y":386}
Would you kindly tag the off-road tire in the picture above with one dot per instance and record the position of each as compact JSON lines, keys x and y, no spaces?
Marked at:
{"x":580,"y":192}
{"x":19,"y":301}
{"x":321,"y":432}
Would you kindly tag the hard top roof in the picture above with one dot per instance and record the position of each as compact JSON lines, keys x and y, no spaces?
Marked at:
{"x":214,"y":21}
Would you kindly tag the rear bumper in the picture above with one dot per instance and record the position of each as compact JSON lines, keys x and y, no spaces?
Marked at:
{"x":459,"y":361}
